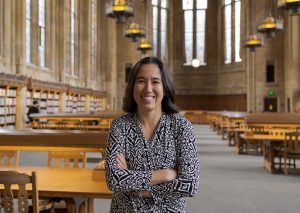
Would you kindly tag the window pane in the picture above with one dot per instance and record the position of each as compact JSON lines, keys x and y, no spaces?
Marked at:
{"x":28,"y":32}
{"x":163,"y":35}
{"x":42,"y":12}
{"x":155,"y":29}
{"x":28,"y":9}
{"x":163,"y":54}
{"x":226,"y":2}
{"x":200,"y":36}
{"x":154,"y":2}
{"x":237,"y":35}
{"x":201,"y":4}
{"x":163,"y":3}
{"x":187,"y":4}
{"x":228,"y":34}
{"x":28,"y":41}
{"x":188,"y":36}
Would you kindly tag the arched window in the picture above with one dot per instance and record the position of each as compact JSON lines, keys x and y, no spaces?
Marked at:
{"x":232,"y":19}
{"x":160,"y":26}
{"x":28,"y":31}
{"x":194,"y":30}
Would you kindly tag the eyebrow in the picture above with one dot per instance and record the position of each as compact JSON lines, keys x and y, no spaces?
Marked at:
{"x":153,"y":78}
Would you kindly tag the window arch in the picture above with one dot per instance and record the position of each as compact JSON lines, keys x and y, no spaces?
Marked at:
{"x":194,"y":30}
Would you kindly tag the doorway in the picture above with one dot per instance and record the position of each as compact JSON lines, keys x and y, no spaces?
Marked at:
{"x":270,"y":105}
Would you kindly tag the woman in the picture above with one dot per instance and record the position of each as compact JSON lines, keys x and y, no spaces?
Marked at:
{"x":151,"y":161}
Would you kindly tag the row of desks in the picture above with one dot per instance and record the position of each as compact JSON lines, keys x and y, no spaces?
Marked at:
{"x":54,"y":182}
{"x":71,"y":183}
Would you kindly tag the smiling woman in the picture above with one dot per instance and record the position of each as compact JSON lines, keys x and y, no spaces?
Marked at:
{"x":151,"y":161}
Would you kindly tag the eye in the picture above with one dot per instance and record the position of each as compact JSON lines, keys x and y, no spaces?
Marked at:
{"x":140,"y":81}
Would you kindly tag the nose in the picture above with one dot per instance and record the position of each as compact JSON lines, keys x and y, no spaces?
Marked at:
{"x":148,"y":86}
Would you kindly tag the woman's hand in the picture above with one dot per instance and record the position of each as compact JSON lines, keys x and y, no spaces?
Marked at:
{"x":121,"y":162}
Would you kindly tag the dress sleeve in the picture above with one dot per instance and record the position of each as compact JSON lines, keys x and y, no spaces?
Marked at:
{"x":188,"y":169}
{"x":122,"y":179}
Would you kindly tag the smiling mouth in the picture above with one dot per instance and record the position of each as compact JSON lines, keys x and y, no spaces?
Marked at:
{"x":148,"y":98}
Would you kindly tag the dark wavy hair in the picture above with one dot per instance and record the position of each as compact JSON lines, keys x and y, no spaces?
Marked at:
{"x":168,"y":106}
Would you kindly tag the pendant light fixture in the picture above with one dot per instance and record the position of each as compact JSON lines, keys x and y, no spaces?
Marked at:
{"x":119,"y":9}
{"x":135,"y":32}
{"x":293,"y":6}
{"x":253,"y":41}
{"x":271,"y":25}
{"x":144,"y":45}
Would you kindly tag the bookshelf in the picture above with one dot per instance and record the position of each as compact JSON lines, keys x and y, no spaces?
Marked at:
{"x":9,"y":85}
{"x":48,"y":94}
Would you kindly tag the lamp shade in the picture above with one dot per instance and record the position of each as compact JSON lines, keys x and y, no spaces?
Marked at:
{"x":270,"y":26}
{"x":135,"y":32}
{"x":253,"y":41}
{"x":144,"y":45}
{"x":293,"y":6}
{"x":120,"y":10}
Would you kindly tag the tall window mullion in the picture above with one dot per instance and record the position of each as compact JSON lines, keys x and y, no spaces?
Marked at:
{"x":42,"y":32}
{"x":28,"y":31}
{"x":194,"y":30}
{"x":159,"y":30}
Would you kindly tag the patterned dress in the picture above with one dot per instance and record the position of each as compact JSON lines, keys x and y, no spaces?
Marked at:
{"x":172,"y":146}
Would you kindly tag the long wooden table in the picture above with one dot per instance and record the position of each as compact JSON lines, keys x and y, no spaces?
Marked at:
{"x":74,"y":183}
{"x":53,"y":138}
{"x":271,"y":143}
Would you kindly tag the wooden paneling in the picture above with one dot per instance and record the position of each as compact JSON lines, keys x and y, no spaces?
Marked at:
{"x":212,"y":102}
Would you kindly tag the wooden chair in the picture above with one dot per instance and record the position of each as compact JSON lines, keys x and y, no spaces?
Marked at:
{"x":67,"y":160}
{"x":9,"y":158}
{"x":9,"y":178}
{"x":291,"y":150}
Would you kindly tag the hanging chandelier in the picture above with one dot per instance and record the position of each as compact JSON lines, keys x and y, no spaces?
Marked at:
{"x":270,"y":26}
{"x":253,"y":41}
{"x":144,"y":46}
{"x":120,"y":10}
{"x":293,"y":6}
{"x":135,"y":32}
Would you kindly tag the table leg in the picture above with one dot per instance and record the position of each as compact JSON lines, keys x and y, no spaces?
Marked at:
{"x":90,"y":205}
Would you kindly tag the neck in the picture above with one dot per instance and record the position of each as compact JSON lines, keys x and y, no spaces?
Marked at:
{"x":150,"y":119}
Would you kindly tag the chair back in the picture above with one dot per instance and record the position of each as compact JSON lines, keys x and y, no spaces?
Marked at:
{"x":9,"y":158}
{"x":8,"y":181}
{"x":292,"y":143}
{"x":66,"y":159}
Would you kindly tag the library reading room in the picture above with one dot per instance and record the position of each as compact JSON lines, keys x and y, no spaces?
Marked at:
{"x":150,"y":106}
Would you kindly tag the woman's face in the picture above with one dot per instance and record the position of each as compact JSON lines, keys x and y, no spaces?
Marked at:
{"x":148,"y":89}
